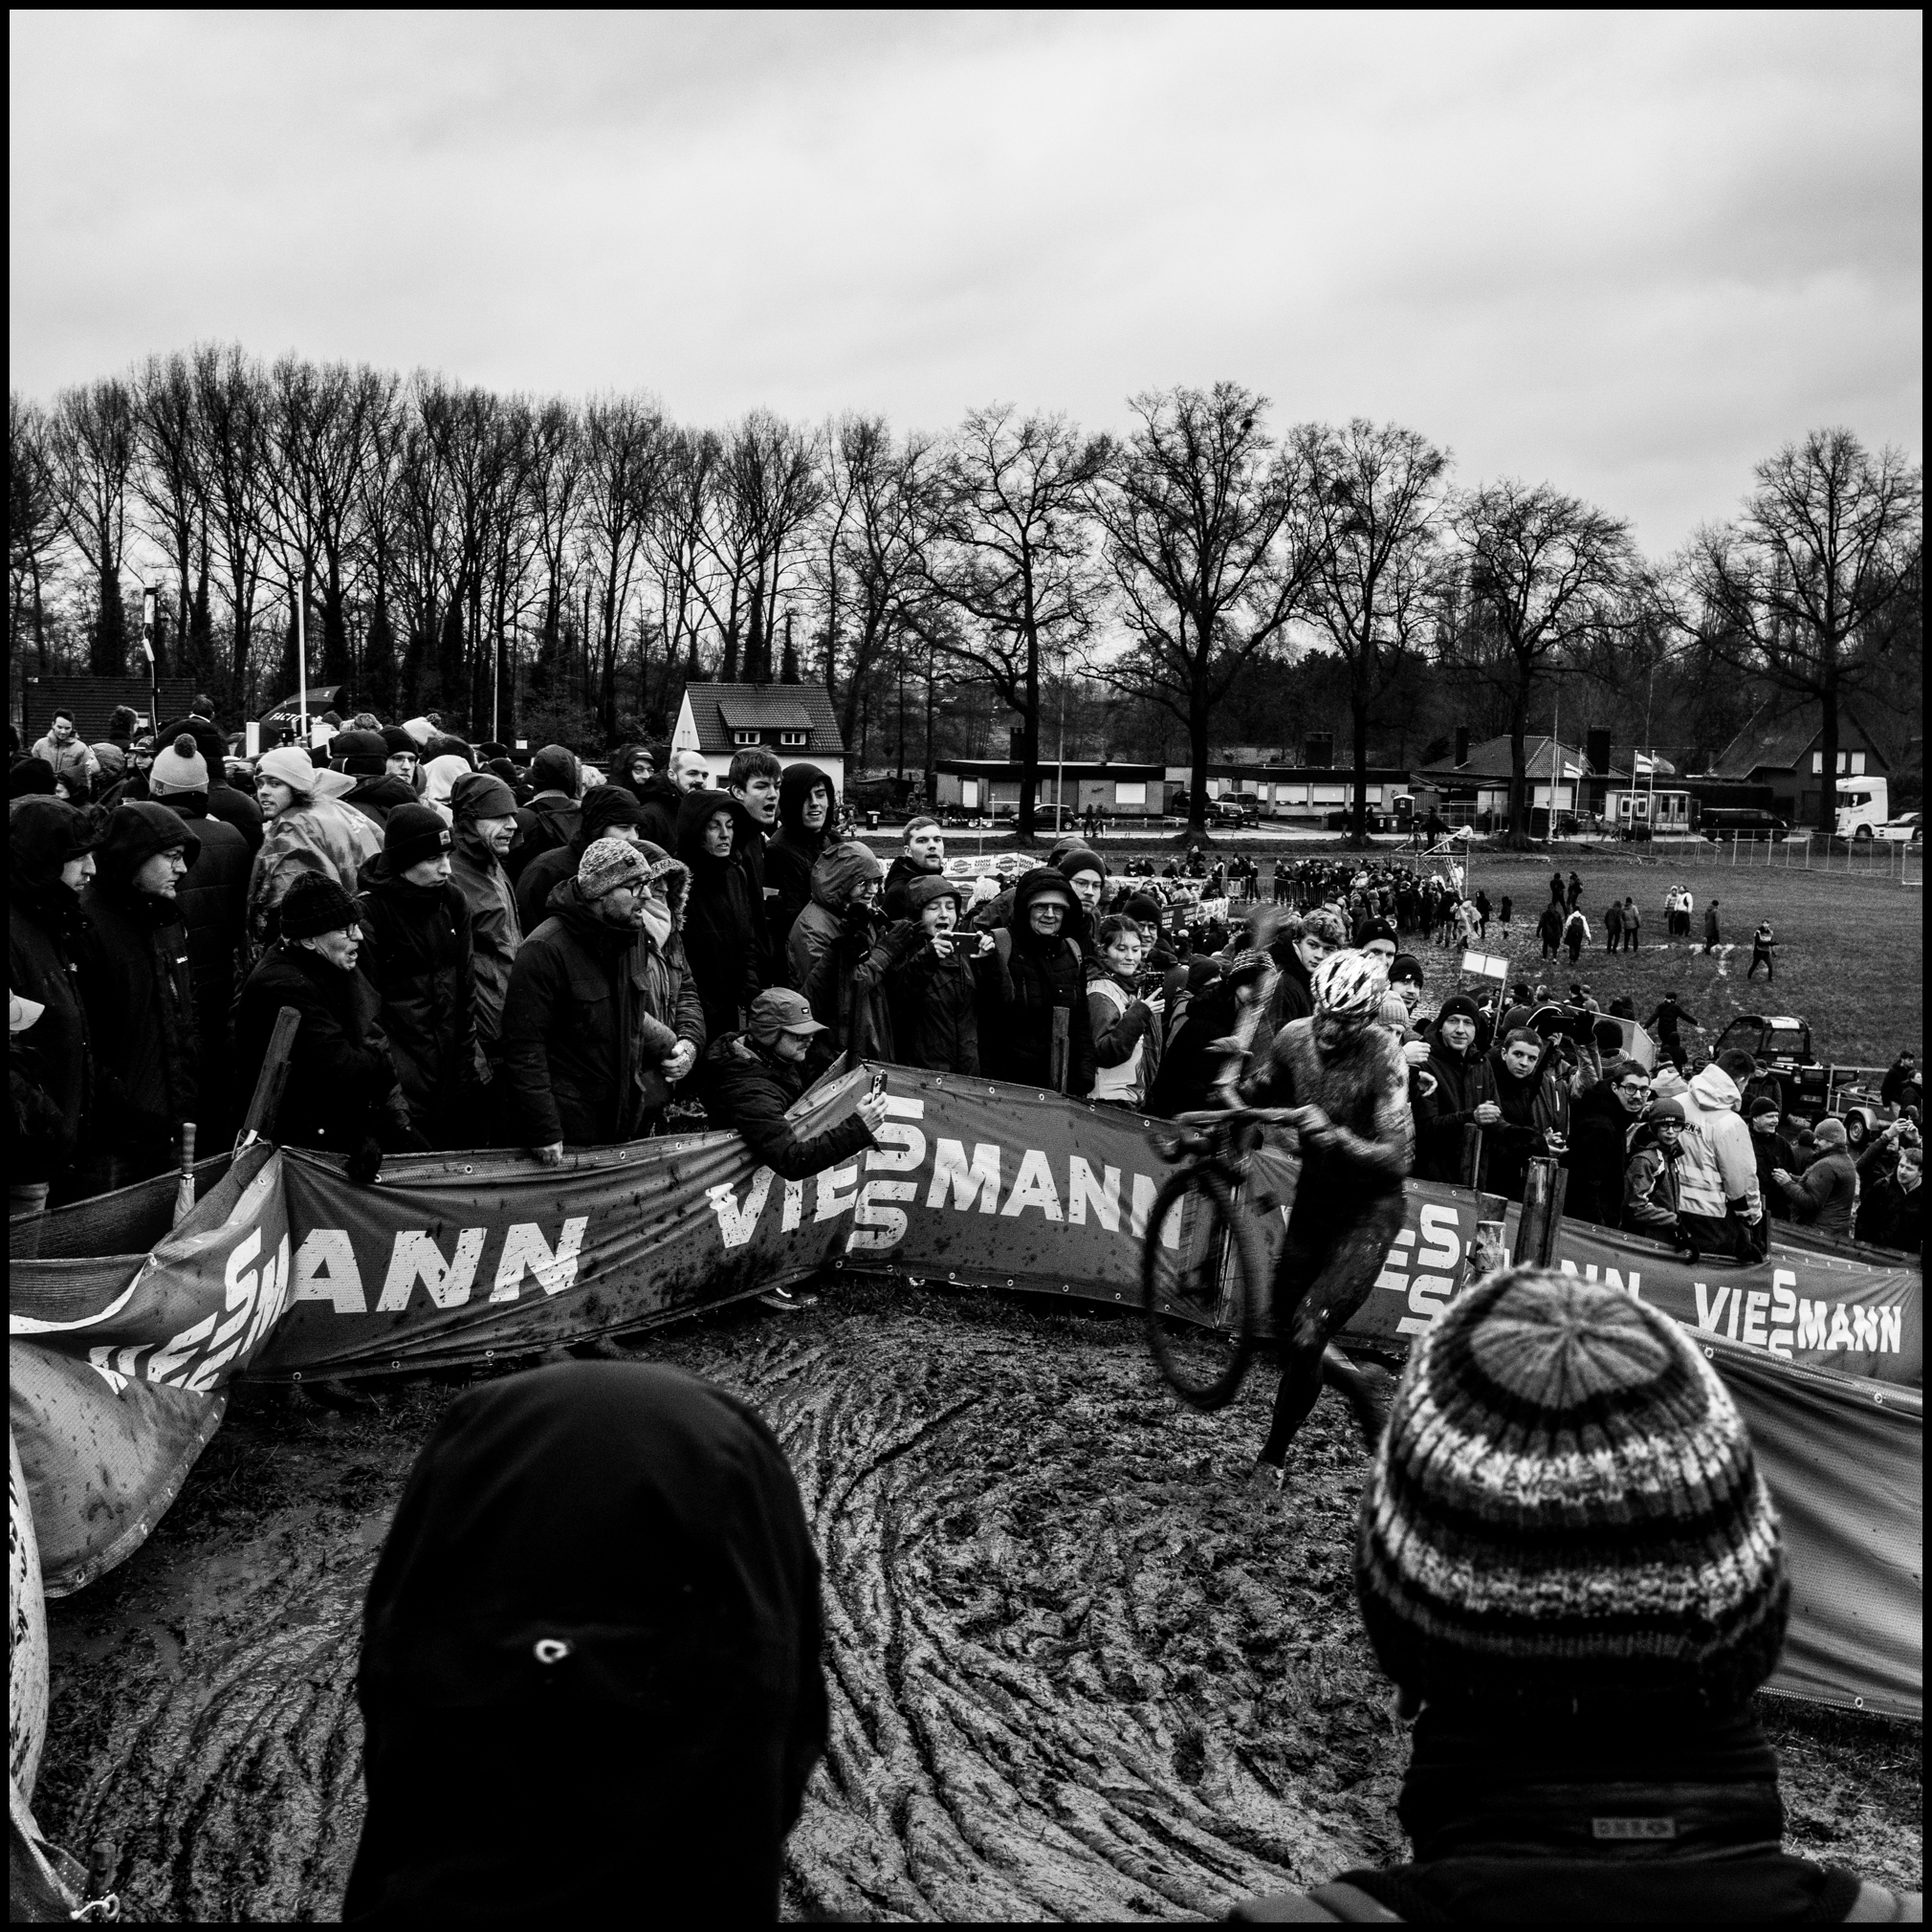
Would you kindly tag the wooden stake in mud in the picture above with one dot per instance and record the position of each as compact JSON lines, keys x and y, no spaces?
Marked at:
{"x":260,"y":1121}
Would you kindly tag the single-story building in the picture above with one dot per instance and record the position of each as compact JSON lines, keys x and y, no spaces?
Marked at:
{"x":1475,"y":791}
{"x":1302,"y":793}
{"x":990,"y":788}
{"x":794,"y":722}
{"x":1780,"y":748}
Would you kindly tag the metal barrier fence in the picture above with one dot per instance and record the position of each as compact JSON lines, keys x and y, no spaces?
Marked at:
{"x":1902,"y":864}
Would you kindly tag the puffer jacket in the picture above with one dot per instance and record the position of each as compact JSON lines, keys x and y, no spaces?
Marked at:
{"x":840,"y":956}
{"x":1025,"y":983}
{"x":719,"y":920}
{"x":1718,"y":1165}
{"x":136,"y":980}
{"x":321,"y":835}
{"x":416,"y":955}
{"x":44,"y":927}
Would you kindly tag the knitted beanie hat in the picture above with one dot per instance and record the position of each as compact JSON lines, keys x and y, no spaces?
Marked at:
{"x":608,"y":864}
{"x":395,"y":740}
{"x":360,"y":754}
{"x":1564,"y":1513}
{"x":1081,"y":860}
{"x":180,"y":768}
{"x":314,"y":905}
{"x":411,"y":834}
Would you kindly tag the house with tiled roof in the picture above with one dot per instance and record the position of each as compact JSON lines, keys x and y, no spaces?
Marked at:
{"x":1474,"y":789}
{"x":1780,"y":747}
{"x":794,"y":722}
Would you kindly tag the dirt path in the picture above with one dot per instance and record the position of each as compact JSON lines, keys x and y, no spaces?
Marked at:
{"x":1078,"y":1671}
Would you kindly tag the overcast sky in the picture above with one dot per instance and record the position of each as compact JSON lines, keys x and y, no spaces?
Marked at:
{"x":1626,"y":254}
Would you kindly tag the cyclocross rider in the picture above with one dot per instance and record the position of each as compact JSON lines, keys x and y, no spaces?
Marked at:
{"x":1345,"y":1077}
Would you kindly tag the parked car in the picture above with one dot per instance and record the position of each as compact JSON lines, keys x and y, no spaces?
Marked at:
{"x":1907,"y":829}
{"x":1784,"y":1040}
{"x":1231,"y":812}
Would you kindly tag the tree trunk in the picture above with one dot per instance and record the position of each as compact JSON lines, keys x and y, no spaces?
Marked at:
{"x":1358,"y":831}
{"x":1827,"y":747}
{"x":1519,"y":766}
{"x":1198,"y":755}
{"x":1029,"y":743}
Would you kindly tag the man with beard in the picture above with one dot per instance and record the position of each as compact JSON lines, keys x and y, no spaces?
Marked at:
{"x":1346,"y":1082}
{"x":134,"y":978}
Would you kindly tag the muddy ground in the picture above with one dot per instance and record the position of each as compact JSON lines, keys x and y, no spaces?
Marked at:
{"x":1078,"y":1670}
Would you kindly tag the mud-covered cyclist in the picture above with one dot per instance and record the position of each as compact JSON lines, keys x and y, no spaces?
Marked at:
{"x":1345,"y":1077}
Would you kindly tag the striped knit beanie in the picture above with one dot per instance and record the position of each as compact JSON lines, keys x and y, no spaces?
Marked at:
{"x":1564,"y":1512}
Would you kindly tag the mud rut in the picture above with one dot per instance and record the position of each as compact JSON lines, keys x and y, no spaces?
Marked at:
{"x":1077,"y":1670}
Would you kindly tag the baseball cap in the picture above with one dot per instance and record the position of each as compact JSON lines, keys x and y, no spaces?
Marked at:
{"x":777,"y":1010}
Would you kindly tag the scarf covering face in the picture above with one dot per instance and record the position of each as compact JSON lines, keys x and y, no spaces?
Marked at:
{"x":590,"y":1679}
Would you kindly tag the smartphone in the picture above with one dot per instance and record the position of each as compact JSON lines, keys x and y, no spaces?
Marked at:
{"x":878,"y":1084}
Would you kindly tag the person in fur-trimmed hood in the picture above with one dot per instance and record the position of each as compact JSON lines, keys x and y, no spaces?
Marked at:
{"x":839,"y":952}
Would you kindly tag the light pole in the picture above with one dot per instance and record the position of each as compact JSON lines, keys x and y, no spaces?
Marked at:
{"x":148,"y":599}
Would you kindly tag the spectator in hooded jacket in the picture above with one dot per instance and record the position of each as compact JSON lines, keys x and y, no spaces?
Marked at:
{"x":577,"y":1035}
{"x":1722,"y":1210}
{"x":1033,"y":1023}
{"x":607,"y":812}
{"x":134,"y":978}
{"x":365,"y":756}
{"x":840,"y":953}
{"x":931,"y":989}
{"x":922,"y":854}
{"x":415,"y":953}
{"x":1127,"y":1034}
{"x":753,"y":783}
{"x":808,"y":818}
{"x":553,"y":813}
{"x":1653,"y":1195}
{"x":309,"y":831}
{"x":485,"y":812}
{"x":719,"y":920}
{"x":633,"y":767}
{"x":343,"y":1094}
{"x":1511,"y":1631}
{"x":1605,"y":1115}
{"x":1826,"y":1195}
{"x":1221,"y":1023}
{"x":50,"y":859}
{"x":214,"y":902}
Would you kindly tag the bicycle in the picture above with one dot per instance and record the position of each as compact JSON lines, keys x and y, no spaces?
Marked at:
{"x":1204,"y":1292}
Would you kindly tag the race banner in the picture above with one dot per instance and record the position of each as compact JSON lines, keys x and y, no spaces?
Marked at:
{"x":287,"y":1269}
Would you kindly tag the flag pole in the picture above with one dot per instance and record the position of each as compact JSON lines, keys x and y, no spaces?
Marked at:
{"x":302,"y":656}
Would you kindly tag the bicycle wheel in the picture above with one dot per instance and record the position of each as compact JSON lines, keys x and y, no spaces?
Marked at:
{"x":1200,"y":1285}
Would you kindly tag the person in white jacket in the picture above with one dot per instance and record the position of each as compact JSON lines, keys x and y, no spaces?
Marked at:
{"x":1719,"y":1204}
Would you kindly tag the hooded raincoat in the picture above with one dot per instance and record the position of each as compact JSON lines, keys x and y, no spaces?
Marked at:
{"x":795,"y":849}
{"x":718,"y":925}
{"x":1033,"y":1021}
{"x":840,"y":956}
{"x":316,"y":834}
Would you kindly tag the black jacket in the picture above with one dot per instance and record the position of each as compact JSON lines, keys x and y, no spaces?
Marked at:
{"x":376,"y":797}
{"x":720,"y":925}
{"x":749,"y":1092}
{"x":44,"y":925}
{"x":550,"y":819}
{"x":214,"y":902}
{"x":1187,"y":1068}
{"x":900,"y":874}
{"x":568,"y":1040}
{"x":659,"y":799}
{"x":341,"y":1088}
{"x":934,"y":1005}
{"x":793,"y":850}
{"x":1024,"y":981}
{"x":237,"y":808}
{"x":416,"y":955}
{"x":1599,"y":1130}
{"x":1461,"y":1085}
{"x":748,"y":857}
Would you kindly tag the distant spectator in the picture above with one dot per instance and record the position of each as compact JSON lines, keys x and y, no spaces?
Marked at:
{"x":717,"y":926}
{"x":1576,"y":935}
{"x":1901,"y":1073}
{"x":557,"y":780}
{"x":922,"y":853}
{"x":485,"y":813}
{"x":1613,"y":927}
{"x":50,"y":859}
{"x":130,"y":788}
{"x":342,"y":1094}
{"x":1633,"y":924}
{"x":1826,"y":1195}
{"x":602,"y":1567}
{"x":214,"y":902}
{"x":365,"y":756}
{"x":808,"y":817}
{"x":1667,"y":1023}
{"x":1712,"y":937}
{"x":753,"y":783}
{"x":1591,"y":1657}
{"x":140,"y":995}
{"x":1550,"y":929}
{"x":310,"y":830}
{"x":1763,"y":944}
{"x":1771,"y":1150}
{"x":607,"y":812}
{"x":71,"y":758}
{"x":1891,"y":1207}
{"x":416,"y":953}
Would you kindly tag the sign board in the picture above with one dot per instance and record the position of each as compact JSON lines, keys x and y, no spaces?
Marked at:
{"x":1486,"y":965}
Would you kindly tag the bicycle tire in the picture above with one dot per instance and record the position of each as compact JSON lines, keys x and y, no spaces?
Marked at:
{"x":1179,"y":1306}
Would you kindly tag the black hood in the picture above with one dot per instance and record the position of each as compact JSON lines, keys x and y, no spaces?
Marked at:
{"x":694,"y":809}
{"x":795,"y":787}
{"x":1043,"y":879}
{"x":134,"y":833}
{"x":603,"y":1570}
{"x":42,"y":834}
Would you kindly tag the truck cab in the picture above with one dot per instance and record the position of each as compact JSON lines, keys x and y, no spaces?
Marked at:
{"x":1863,"y":807}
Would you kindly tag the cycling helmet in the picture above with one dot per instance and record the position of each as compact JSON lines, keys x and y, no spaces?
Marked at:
{"x":1348,"y":985}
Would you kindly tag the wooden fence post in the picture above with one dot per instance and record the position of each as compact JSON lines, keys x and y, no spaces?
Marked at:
{"x":260,"y":1123}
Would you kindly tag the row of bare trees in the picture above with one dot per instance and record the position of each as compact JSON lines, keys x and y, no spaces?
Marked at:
{"x":506,"y":558}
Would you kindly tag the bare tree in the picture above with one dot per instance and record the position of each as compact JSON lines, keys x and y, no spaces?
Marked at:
{"x":1802,"y":587}
{"x":93,"y":447}
{"x":1014,"y":555}
{"x":1203,"y":519}
{"x":167,"y":485}
{"x":625,"y":442}
{"x":1374,"y":509}
{"x":233,"y":432}
{"x":34,"y":523}
{"x":677,"y":546}
{"x":770,"y":490}
{"x":1545,"y":571}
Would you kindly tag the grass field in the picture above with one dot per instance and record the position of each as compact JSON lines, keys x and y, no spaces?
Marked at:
{"x":1850,"y":958}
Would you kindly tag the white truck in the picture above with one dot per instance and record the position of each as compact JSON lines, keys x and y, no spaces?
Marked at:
{"x":1863,"y":807}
